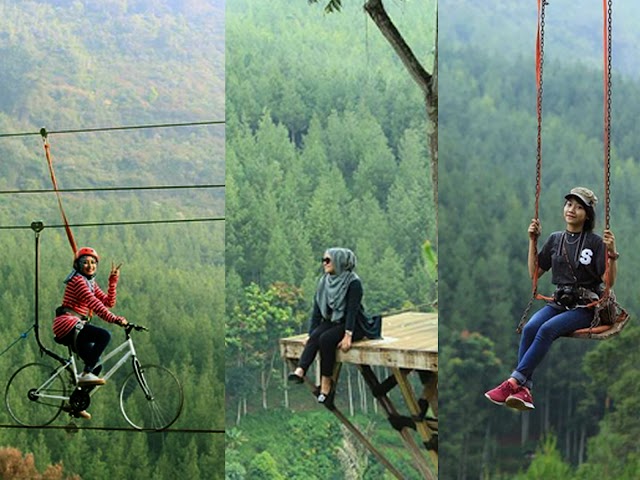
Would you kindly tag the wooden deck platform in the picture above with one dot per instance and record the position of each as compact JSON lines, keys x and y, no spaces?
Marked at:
{"x":409,"y":345}
{"x":409,"y":340}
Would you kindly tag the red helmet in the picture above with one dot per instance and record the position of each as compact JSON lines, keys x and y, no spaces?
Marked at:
{"x":86,"y":251}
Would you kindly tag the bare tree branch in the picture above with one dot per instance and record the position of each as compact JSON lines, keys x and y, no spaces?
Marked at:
{"x":427,"y":82}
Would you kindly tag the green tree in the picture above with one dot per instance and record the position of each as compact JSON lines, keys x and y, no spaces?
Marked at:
{"x":260,"y":319}
{"x":469,"y":365}
{"x":428,"y":82}
{"x":547,"y":463}
{"x":264,"y":467}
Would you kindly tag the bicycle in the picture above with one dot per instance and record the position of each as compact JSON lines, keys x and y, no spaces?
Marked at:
{"x":151,"y":397}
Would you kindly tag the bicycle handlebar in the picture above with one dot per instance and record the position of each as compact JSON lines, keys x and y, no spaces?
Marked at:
{"x":132,"y":326}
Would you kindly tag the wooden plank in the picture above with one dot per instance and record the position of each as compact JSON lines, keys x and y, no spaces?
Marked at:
{"x":409,"y":340}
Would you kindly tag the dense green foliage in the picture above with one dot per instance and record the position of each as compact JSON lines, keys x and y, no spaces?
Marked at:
{"x":572,"y":30}
{"x":310,"y":444}
{"x":327,"y":146}
{"x":585,"y":392}
{"x":70,"y":65}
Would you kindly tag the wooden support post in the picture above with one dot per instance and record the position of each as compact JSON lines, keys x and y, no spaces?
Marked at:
{"x":430,"y":389}
{"x":413,"y":405}
{"x":397,"y":422}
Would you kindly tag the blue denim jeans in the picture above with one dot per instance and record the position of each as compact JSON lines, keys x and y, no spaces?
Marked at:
{"x":540,"y":331}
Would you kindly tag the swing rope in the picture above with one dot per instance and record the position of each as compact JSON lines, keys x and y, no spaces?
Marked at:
{"x":47,"y":151}
{"x":606,"y":32}
{"x":607,"y":36}
{"x":539,"y":89}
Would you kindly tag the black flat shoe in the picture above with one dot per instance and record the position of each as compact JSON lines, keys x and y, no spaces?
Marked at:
{"x":326,"y":399}
{"x":293,"y":377}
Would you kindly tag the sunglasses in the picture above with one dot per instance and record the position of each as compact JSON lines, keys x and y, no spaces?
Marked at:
{"x":326,"y":260}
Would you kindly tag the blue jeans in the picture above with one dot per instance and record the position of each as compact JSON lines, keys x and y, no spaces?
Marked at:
{"x":540,"y":331}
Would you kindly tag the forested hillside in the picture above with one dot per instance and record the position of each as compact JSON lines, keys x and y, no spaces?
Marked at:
{"x":327,"y":146}
{"x":573,"y":30}
{"x":585,"y":390}
{"x":74,"y":65}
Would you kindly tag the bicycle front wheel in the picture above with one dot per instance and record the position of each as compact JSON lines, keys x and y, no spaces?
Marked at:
{"x":151,"y":397}
{"x":34,"y":397}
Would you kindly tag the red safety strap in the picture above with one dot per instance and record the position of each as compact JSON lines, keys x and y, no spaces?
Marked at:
{"x":47,"y":151}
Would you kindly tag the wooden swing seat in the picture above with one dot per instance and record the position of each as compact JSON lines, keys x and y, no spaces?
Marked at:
{"x":602,"y":332}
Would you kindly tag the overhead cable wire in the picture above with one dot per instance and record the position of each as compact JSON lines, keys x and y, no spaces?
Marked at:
{"x":74,"y":428}
{"x":110,"y":129}
{"x":109,"y":224}
{"x":113,"y":189}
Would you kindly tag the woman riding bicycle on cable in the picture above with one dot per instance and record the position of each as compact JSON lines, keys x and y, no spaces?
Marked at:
{"x":82,"y":299}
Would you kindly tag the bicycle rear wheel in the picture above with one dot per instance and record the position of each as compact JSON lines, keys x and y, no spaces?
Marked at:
{"x":33,"y":398}
{"x":151,"y":397}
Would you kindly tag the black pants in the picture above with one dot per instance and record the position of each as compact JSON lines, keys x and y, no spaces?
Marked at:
{"x":324,"y":338}
{"x":90,"y":344}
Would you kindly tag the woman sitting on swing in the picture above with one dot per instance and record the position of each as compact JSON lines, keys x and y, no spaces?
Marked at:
{"x":576,"y":257}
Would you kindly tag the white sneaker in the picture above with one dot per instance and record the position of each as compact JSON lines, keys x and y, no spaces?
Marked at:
{"x":81,"y":414}
{"x":84,"y":414}
{"x":90,"y":379}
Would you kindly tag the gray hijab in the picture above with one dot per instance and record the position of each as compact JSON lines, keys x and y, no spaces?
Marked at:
{"x":331,"y":294}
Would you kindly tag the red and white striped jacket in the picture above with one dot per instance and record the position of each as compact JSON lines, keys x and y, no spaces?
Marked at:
{"x":85,"y":298}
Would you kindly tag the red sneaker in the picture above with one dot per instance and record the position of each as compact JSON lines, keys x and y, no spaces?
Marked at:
{"x":521,"y":400}
{"x":500,"y":394}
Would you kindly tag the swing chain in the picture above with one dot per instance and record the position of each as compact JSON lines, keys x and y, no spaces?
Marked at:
{"x":539,"y":77}
{"x":525,"y":314}
{"x":607,"y":126}
{"x":540,"y":67}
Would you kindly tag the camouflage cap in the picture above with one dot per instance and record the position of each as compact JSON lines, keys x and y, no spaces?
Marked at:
{"x":586,"y":196}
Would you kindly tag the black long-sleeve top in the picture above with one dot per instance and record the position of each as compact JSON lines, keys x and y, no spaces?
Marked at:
{"x":353,"y":313}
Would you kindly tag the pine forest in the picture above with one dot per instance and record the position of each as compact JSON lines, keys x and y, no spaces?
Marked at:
{"x":327,"y":145}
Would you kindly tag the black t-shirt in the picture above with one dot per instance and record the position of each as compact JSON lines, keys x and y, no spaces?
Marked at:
{"x":585,"y":252}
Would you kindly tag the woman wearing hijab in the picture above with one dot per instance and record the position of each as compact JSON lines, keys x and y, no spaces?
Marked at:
{"x":576,"y":258}
{"x":83,"y":298}
{"x":338,"y":318}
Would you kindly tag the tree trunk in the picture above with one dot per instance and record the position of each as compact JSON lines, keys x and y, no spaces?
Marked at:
{"x":486,"y":454}
{"x":350,"y":392}
{"x":362,"y":390}
{"x":564,"y":423}
{"x":524,"y":429}
{"x":284,"y":383}
{"x":265,"y":378}
{"x":263,"y":388}
{"x":462,"y":472}
{"x":427,"y":82}
{"x":547,"y":410}
{"x":239,"y":412}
